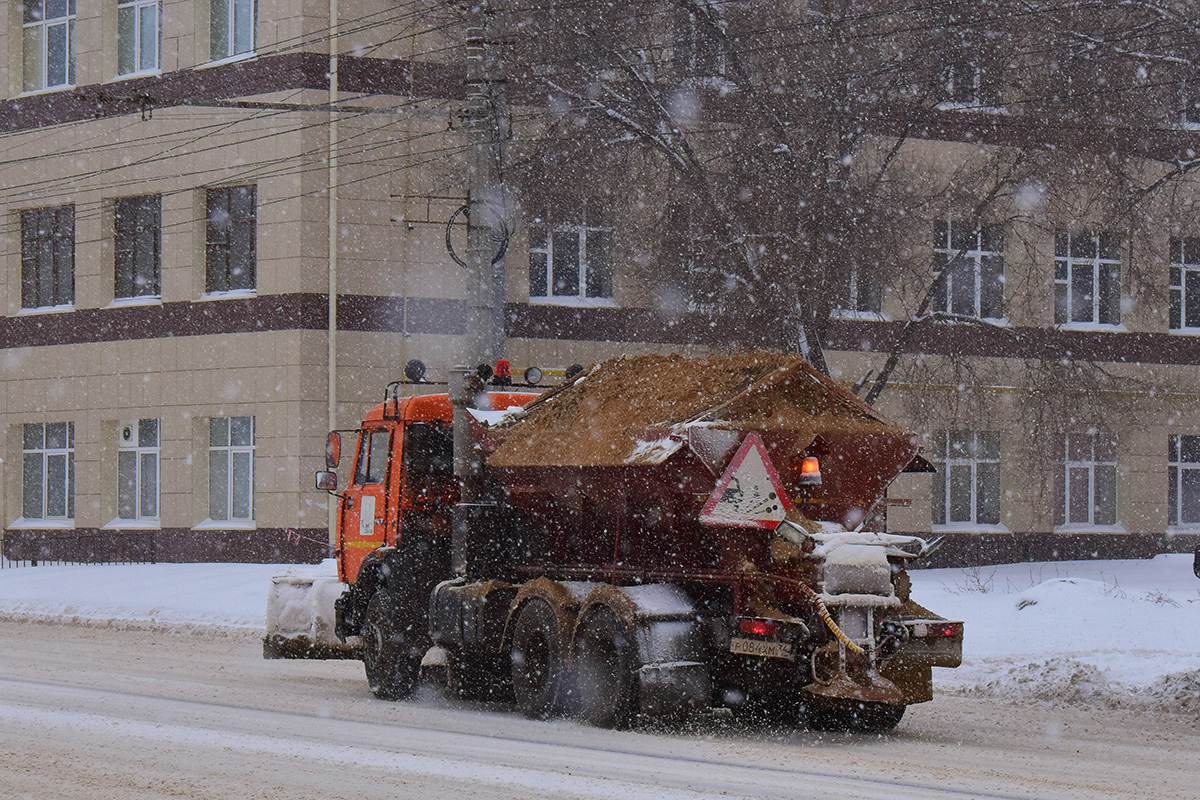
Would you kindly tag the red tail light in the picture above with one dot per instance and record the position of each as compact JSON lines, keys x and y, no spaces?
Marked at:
{"x":759,"y":627}
{"x":946,"y":629}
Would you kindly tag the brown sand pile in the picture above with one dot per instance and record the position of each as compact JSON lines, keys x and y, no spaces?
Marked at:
{"x":598,"y":419}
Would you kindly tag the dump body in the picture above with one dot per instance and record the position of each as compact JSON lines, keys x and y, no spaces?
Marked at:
{"x":673,"y":533}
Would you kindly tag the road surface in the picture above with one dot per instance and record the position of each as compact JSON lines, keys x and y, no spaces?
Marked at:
{"x":103,"y":712}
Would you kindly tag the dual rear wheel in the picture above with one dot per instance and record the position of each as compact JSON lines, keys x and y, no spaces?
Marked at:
{"x":600,"y":687}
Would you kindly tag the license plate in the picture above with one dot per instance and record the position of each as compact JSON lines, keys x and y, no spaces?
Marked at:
{"x":758,"y":647}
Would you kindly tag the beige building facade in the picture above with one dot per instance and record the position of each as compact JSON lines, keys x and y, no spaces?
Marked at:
{"x":184,"y":187}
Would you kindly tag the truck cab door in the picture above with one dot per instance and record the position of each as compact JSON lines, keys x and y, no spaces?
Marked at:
{"x":365,"y":505}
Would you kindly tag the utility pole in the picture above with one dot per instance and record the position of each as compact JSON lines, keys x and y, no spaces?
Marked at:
{"x":487,"y":238}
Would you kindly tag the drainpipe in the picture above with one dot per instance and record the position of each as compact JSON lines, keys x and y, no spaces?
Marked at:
{"x":332,"y":155}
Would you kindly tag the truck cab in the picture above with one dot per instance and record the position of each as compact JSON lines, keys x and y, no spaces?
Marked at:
{"x":402,"y":485}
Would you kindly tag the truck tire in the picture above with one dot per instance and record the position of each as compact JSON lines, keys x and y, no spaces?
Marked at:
{"x":391,"y":653}
{"x":852,"y":715}
{"x":538,"y":661}
{"x":605,"y":671}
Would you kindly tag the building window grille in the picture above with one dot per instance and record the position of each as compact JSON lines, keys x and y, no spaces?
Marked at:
{"x":137,"y":470}
{"x":1087,"y":484}
{"x":138,"y":246}
{"x":966,"y":488}
{"x":231,"y":239}
{"x":973,"y":286}
{"x":48,"y":257}
{"x":1087,"y":278}
{"x":139,"y":35}
{"x":233,"y":23}
{"x":48,"y":44}
{"x":1185,"y":284}
{"x":862,"y":295}
{"x":571,"y":259}
{"x":1183,"y":481}
{"x":48,"y":471}
{"x":231,"y":443}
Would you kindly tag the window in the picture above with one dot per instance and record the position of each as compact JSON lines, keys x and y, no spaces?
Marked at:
{"x":232,"y":27}
{"x":974,"y":284}
{"x":138,"y":36}
{"x":1185,"y":284}
{"x":1087,"y":484}
{"x":968,"y":77}
{"x":137,"y":470}
{"x":699,"y":50}
{"x":1087,"y":278}
{"x":570,"y":259}
{"x":863,"y":294}
{"x":373,"y":458}
{"x":230,"y":251}
{"x":48,"y":476}
{"x":48,"y":44}
{"x":966,"y":488}
{"x":231,"y":469}
{"x":1183,"y":480}
{"x":137,"y":246}
{"x":48,"y":257}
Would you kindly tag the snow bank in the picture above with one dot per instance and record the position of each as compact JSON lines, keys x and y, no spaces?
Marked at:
{"x":230,"y":596}
{"x":1114,"y":633}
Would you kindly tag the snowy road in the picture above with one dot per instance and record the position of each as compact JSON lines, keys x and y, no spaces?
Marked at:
{"x":95,"y":712}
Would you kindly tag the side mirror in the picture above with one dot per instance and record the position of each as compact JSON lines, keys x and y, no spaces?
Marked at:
{"x":327,"y":481}
{"x":333,"y":450}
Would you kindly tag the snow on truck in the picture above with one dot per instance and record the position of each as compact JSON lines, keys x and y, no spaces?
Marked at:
{"x":658,"y":535}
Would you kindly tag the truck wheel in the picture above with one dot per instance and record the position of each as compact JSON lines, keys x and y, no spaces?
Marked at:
{"x":604,"y":671}
{"x":537,"y":660}
{"x":853,"y":715}
{"x":390,"y":651}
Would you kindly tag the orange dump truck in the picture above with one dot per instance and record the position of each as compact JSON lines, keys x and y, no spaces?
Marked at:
{"x":657,"y":536}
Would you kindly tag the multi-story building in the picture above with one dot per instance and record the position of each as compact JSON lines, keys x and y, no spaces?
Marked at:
{"x":225,"y":230}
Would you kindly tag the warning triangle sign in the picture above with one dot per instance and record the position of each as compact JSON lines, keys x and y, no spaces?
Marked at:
{"x":749,"y":494}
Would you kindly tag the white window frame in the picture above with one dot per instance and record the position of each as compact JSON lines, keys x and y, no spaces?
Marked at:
{"x":231,"y":16}
{"x":585,"y":229}
{"x":137,"y":242}
{"x":1066,"y":267}
{"x":48,"y":257}
{"x":976,"y":255}
{"x":41,"y":454}
{"x":36,"y":32}
{"x":858,"y":306}
{"x":139,"y":13}
{"x":1184,"y":264}
{"x":960,"y":453}
{"x":1183,"y":471}
{"x":693,"y":49}
{"x":1088,"y":459}
{"x":964,"y":79}
{"x":227,"y":453}
{"x":144,"y":446}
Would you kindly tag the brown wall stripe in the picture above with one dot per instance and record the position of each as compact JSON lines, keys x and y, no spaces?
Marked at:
{"x":229,"y":81}
{"x":441,"y":316}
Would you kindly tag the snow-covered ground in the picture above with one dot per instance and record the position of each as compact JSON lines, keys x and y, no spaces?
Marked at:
{"x":1110,"y":633}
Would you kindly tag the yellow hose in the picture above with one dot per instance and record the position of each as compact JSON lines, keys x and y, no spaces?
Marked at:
{"x":842,"y":637}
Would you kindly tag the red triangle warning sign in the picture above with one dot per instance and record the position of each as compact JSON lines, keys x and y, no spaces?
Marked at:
{"x":749,"y":494}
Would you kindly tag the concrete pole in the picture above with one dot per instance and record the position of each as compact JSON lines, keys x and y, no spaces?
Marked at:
{"x":487,"y":232}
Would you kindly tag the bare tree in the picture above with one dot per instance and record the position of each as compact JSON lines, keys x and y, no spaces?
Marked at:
{"x":780,"y":164}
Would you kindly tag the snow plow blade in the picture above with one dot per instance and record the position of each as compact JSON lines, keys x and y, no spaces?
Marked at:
{"x":300,"y":615}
